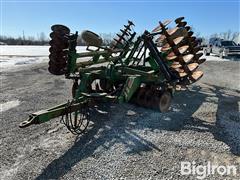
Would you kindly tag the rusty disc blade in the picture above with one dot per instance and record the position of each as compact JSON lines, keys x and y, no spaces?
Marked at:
{"x":196,"y":75}
{"x":172,"y":31}
{"x":176,"y":65}
{"x":192,"y":66}
{"x":164,"y":23}
{"x":178,"y":40}
{"x":171,"y":56}
{"x":60,"y":28}
{"x":194,"y":43}
{"x":200,"y":61}
{"x":196,"y":49}
{"x":182,"y":74}
{"x":187,"y":58}
{"x":190,"y":33}
{"x":178,"y":20}
{"x":56,"y":35}
{"x":183,"y":49}
{"x":166,"y":47}
{"x":182,"y":24}
{"x":187,"y":28}
{"x":197,"y":56}
{"x":179,"y":70}
{"x":193,"y":38}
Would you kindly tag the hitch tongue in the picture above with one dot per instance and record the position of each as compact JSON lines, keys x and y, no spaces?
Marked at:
{"x":31,"y":120}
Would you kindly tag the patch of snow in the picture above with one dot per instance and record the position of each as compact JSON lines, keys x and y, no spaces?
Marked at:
{"x":8,"y":105}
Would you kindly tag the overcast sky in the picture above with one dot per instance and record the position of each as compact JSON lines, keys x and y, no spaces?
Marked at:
{"x":207,"y":17}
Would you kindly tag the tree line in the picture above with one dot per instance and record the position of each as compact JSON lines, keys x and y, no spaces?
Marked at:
{"x":42,"y":39}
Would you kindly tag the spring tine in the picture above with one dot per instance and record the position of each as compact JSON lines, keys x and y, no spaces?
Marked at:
{"x":178,"y":20}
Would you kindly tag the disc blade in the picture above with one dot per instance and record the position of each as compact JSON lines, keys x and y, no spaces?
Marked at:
{"x":187,"y":28}
{"x":193,"y":38}
{"x":164,"y":23}
{"x":171,"y":56}
{"x":196,"y":75}
{"x":192,"y":66}
{"x":197,"y":56}
{"x":179,"y":70}
{"x":200,"y":61}
{"x":176,"y":65}
{"x":182,"y":74}
{"x":190,"y":33}
{"x":196,"y":49}
{"x":183,"y":49}
{"x":187,"y":58}
{"x":172,"y":31}
{"x":178,"y":40}
{"x":166,"y":47}
{"x":178,"y":20}
{"x":182,"y":24}
{"x":60,"y":28}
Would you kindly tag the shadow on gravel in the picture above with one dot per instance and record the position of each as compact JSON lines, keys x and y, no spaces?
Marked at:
{"x":106,"y":132}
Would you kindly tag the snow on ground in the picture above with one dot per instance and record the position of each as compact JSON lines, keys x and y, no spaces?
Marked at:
{"x":15,"y":56}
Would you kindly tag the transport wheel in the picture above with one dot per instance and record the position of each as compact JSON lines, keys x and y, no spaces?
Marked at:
{"x":165,"y":101}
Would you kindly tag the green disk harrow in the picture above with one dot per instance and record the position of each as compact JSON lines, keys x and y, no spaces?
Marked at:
{"x":145,"y":70}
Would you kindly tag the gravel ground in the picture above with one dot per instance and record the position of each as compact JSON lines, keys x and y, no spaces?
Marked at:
{"x":203,"y":125}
